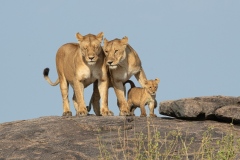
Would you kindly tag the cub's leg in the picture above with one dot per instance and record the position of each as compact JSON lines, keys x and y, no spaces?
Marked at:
{"x":132,"y":108}
{"x":64,"y":91}
{"x":132,"y":111}
{"x":143,"y":110}
{"x":151,"y":106}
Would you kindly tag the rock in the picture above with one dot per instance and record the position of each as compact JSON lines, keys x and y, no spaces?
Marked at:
{"x":113,"y":137}
{"x":230,"y":113}
{"x":198,"y":108}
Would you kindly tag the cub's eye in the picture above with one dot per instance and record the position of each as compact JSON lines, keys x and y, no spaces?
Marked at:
{"x":150,"y":87}
{"x":115,"y":51}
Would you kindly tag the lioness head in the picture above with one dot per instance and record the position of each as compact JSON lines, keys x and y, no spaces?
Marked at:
{"x":115,"y":51}
{"x":90,"y":46}
{"x":152,"y":86}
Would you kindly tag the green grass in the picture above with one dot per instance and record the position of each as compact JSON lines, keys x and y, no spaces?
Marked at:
{"x":173,"y":145}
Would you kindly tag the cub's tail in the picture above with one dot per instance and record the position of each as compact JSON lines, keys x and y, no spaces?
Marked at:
{"x":130,"y":82}
{"x":45,"y":74}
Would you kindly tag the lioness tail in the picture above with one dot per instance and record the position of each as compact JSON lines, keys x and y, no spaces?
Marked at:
{"x":45,"y":74}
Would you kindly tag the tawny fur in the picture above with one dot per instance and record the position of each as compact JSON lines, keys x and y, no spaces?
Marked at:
{"x":140,"y":97}
{"x":123,"y":62}
{"x":81,"y":64}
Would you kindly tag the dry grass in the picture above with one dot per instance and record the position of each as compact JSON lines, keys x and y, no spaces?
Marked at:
{"x":174,"y":145}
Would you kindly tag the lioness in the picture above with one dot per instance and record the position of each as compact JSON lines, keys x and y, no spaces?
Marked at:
{"x":123,"y":62}
{"x":80,"y":64}
{"x":139,"y":97}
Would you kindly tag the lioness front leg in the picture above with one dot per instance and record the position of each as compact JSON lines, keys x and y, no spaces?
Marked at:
{"x":103,"y":90}
{"x":119,"y":90}
{"x":81,"y":109}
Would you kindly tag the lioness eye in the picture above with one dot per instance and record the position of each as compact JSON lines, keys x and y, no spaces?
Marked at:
{"x":115,"y":51}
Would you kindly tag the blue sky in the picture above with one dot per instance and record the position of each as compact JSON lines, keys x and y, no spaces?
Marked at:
{"x":192,"y":46}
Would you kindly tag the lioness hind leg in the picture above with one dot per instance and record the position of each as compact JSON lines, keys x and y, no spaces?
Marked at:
{"x":75,"y":102}
{"x":64,"y":91}
{"x":95,"y":99}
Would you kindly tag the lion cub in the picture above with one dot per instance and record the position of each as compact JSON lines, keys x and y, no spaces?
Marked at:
{"x":139,"y":97}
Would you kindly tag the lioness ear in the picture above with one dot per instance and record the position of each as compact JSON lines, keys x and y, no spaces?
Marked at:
{"x":100,"y":36}
{"x":145,"y":82}
{"x":124,"y":40}
{"x":105,"y":42}
{"x":79,"y":37}
{"x":157,"y":80}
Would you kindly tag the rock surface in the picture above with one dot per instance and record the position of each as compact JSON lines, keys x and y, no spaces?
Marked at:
{"x":223,"y":108}
{"x":90,"y":137}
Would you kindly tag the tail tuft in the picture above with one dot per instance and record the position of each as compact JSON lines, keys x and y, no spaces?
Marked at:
{"x":130,"y":82}
{"x":45,"y":72}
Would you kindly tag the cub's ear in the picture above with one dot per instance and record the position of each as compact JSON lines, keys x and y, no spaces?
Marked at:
{"x":79,"y":37}
{"x":157,"y":80}
{"x":124,"y":40}
{"x":100,"y":36}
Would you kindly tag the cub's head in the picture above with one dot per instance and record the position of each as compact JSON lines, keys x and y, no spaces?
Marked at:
{"x":90,"y":46}
{"x":115,"y":51}
{"x":152,"y":86}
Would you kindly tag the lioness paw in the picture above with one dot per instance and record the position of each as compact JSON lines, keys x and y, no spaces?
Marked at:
{"x":124,"y":113}
{"x":143,"y":115}
{"x":107,"y":113}
{"x":82,"y":113}
{"x":153,"y":115}
{"x":68,"y":113}
{"x":132,"y":114}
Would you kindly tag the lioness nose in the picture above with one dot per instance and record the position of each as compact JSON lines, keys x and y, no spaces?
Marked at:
{"x":110,"y":62}
{"x":91,"y":57}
